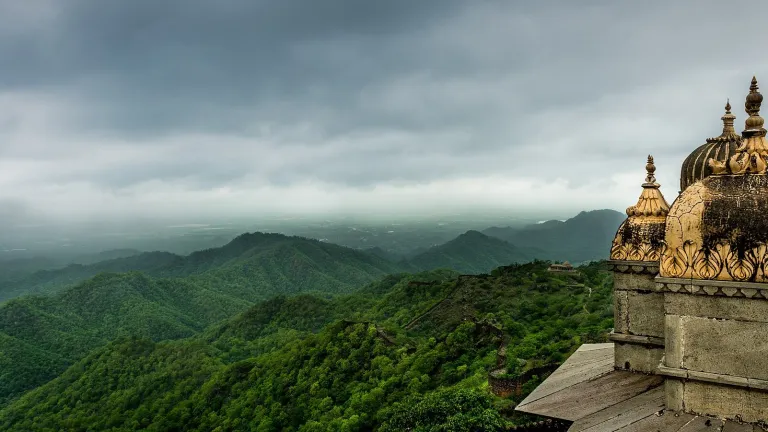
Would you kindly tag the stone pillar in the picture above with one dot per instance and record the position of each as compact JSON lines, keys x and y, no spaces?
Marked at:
{"x":638,"y":332}
{"x":716,"y":359}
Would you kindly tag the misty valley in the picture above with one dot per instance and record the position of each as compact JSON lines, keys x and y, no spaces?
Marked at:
{"x":276,"y":332}
{"x":383,"y":216}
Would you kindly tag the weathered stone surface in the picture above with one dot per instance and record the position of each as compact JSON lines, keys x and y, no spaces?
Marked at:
{"x":673,"y":356}
{"x":588,"y":397}
{"x":665,"y":421}
{"x":725,"y":347}
{"x":646,"y":313}
{"x":636,"y":339}
{"x":622,"y":414}
{"x":620,"y":312}
{"x":742,"y":309}
{"x":707,"y":239}
{"x":724,"y":401}
{"x":633,"y":282}
{"x":638,"y":358}
{"x":674,"y":390}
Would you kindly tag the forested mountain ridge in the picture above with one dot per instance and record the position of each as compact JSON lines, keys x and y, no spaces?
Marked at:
{"x":343,"y":364}
{"x":274,"y":254}
{"x":473,"y":253}
{"x":54,"y":331}
{"x":584,"y":237}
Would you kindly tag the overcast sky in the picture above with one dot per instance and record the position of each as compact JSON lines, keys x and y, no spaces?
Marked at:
{"x":200,"y":109}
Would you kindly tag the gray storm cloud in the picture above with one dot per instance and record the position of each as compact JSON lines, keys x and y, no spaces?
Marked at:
{"x":129,"y":106}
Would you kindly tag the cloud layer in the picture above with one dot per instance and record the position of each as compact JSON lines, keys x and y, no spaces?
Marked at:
{"x":192,"y":108}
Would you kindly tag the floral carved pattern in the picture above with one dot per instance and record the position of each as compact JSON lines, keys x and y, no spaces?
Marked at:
{"x":634,"y":252}
{"x":721,"y":262}
{"x":707,"y":265}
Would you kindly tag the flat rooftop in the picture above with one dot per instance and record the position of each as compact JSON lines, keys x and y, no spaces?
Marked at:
{"x":589,"y":392}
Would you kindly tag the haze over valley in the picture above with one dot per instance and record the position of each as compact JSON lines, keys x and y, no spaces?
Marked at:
{"x":364,"y":216}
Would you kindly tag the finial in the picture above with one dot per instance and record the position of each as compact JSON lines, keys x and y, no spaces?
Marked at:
{"x":754,"y":123}
{"x":650,"y":168}
{"x":651,"y":203}
{"x":728,"y":119}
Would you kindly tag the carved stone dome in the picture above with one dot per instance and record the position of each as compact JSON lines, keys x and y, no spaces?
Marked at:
{"x":717,"y":228}
{"x":720,"y":148}
{"x":641,"y":236}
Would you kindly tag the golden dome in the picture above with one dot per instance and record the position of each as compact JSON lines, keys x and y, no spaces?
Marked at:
{"x":717,"y":228}
{"x":641,"y":236}
{"x":720,"y":148}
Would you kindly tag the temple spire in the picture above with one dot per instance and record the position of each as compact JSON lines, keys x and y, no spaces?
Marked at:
{"x":728,"y":119}
{"x":651,"y":203}
{"x":650,"y":168}
{"x":754,"y":123}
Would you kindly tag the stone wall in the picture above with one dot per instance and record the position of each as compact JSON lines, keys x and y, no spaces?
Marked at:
{"x":716,"y":360}
{"x":504,"y":387}
{"x":638,"y":316}
{"x":549,"y":425}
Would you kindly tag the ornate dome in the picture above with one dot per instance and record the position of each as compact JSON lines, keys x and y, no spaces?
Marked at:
{"x":720,"y":148}
{"x":717,"y":228}
{"x":641,"y":236}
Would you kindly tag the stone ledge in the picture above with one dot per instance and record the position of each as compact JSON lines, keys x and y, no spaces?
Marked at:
{"x":729,"y":380}
{"x":636,"y":339}
{"x":635,"y":267}
{"x":747,"y":290}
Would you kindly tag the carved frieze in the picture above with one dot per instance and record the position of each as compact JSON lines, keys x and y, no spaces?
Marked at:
{"x":716,"y":288}
{"x":643,"y":251}
{"x":721,"y":262}
{"x":634,"y":267}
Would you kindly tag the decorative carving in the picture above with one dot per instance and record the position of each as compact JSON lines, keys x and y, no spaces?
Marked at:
{"x":720,"y":262}
{"x":751,"y":156}
{"x":651,"y":202}
{"x":634,"y":252}
{"x":639,"y":238}
{"x":712,"y":288}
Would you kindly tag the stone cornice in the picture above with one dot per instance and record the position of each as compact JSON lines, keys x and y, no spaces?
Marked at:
{"x":722,"y":379}
{"x":749,"y":290}
{"x":637,"y":340}
{"x":634,"y":267}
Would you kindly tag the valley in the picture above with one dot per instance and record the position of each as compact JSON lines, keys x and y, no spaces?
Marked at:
{"x":254,"y":304}
{"x":346,"y":363}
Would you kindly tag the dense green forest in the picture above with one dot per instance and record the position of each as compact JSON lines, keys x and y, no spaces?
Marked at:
{"x":54,"y":331}
{"x":405,"y":352}
{"x":258,"y":261}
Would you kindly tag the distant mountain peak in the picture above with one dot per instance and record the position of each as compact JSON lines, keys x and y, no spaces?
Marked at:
{"x":471,"y":252}
{"x":473,"y":234}
{"x":585,"y":237}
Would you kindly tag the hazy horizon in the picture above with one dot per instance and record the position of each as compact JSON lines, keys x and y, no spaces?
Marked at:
{"x":199,"y":112}
{"x":66,"y":238}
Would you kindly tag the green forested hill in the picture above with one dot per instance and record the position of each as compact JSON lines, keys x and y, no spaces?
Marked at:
{"x":50,"y":333}
{"x":472,"y":253}
{"x":405,"y":353}
{"x":54,"y":331}
{"x":584,"y":237}
{"x":53,"y":281}
{"x":252,"y":259}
